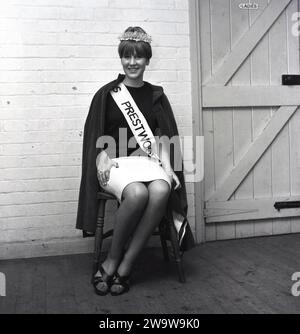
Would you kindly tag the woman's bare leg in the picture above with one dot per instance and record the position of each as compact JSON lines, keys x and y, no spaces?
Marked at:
{"x":126,"y":217}
{"x":159,"y":191}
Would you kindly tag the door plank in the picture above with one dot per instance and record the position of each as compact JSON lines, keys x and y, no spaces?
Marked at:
{"x":262,"y":182}
{"x":294,"y":67}
{"x":279,"y":49}
{"x":242,"y":117}
{"x":222,"y":120}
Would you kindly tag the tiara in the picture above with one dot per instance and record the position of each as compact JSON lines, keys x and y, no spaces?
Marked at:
{"x":135,"y":36}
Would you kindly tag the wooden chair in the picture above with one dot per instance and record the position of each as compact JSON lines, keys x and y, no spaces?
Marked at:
{"x":166,"y":231}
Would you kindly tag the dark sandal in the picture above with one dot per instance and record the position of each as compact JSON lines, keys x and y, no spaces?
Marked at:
{"x":123,"y":282}
{"x":104,"y":278}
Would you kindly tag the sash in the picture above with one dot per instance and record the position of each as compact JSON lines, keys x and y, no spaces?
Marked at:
{"x":136,"y":120}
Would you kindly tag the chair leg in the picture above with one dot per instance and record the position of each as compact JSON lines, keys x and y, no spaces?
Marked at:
{"x":164,"y":244}
{"x":175,"y":245}
{"x":99,"y":235}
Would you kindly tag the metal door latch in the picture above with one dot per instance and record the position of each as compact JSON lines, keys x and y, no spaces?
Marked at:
{"x":290,"y":79}
{"x":287,"y":205}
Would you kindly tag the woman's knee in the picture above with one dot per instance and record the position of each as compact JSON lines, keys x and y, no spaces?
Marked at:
{"x":159,"y":189}
{"x":136,"y":192}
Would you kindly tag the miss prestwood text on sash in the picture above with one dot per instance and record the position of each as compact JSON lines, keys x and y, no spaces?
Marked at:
{"x":136,"y":120}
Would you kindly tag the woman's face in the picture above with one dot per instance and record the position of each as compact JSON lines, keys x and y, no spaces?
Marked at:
{"x":134,"y":66}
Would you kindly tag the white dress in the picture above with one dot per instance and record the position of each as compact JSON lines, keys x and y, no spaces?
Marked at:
{"x":133,"y":169}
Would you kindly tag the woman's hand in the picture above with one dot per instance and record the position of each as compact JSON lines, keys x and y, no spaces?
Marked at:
{"x":173,"y":177}
{"x":104,"y":165}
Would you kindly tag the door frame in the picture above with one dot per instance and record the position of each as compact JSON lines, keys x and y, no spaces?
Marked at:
{"x":196,"y":80}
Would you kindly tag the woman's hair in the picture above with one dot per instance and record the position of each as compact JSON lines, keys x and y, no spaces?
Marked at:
{"x":135,"y":48}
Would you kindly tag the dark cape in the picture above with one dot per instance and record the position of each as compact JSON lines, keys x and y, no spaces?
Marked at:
{"x":89,"y":186}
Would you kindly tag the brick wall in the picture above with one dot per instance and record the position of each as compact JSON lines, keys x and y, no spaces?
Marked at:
{"x":54,"y":55}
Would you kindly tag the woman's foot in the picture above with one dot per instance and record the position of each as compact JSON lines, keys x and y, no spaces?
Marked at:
{"x":104,"y":277}
{"x":120,"y":282}
{"x":119,"y":285}
{"x":102,"y":282}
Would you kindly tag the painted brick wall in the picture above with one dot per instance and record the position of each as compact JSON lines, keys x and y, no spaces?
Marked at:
{"x":54,"y":55}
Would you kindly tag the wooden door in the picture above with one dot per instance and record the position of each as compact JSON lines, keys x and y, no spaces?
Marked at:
{"x":251,"y":122}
